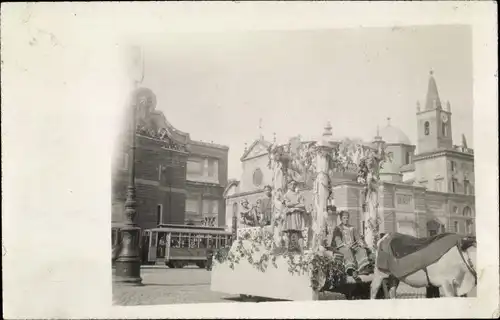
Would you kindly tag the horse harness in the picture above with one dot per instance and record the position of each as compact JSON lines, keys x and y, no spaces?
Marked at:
{"x":468,"y":263}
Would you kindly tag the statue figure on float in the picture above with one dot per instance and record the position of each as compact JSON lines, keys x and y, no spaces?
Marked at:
{"x":295,"y":216}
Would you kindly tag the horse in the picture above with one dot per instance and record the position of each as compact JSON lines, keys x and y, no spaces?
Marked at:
{"x":454,"y":273}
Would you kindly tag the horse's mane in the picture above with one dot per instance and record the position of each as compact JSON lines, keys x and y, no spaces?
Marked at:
{"x":467,"y":242}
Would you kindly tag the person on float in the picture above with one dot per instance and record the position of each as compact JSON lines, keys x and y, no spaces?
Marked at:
{"x":348,"y":242}
{"x":248,"y":215}
{"x":295,"y":212}
{"x":266,"y":207}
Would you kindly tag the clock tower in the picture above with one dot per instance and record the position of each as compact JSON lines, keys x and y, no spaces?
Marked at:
{"x":433,"y":122}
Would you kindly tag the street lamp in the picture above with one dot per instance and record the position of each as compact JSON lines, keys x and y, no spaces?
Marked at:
{"x":128,"y":264}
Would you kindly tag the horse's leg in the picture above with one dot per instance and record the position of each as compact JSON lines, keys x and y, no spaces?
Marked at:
{"x":385,"y":288}
{"x":378,"y":277}
{"x":393,"y":286}
{"x":432,"y":291}
{"x":449,"y":290}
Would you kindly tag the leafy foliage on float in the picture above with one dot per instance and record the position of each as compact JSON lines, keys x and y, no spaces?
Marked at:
{"x":316,"y":264}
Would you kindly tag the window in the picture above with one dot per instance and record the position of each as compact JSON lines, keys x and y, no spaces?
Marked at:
{"x":438,"y":185}
{"x":444,"y":129}
{"x":455,"y":211}
{"x":455,"y":224}
{"x":194,"y":167}
{"x":159,"y":214}
{"x":426,"y":128}
{"x":257,"y":177}
{"x":192,"y":205}
{"x":408,"y":158}
{"x":160,"y":168}
{"x":467,"y":187}
{"x":215,"y":206}
{"x":185,"y":240}
{"x":454,"y":185}
{"x":213,"y":168}
{"x":469,"y":227}
{"x":453,"y":166}
{"x":467,"y":212}
{"x":175,"y":240}
{"x":210,"y":206}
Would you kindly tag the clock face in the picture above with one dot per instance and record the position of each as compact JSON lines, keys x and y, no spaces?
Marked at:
{"x":444,"y":117}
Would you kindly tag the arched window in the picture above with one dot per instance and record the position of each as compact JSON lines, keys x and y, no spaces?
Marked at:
{"x":470,"y":226}
{"x":408,"y":158}
{"x":467,"y":212}
{"x":426,"y":128}
{"x":444,"y":129}
{"x":455,"y":210}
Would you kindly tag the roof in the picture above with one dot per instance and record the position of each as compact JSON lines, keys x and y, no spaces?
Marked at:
{"x":261,"y":141}
{"x":197,"y":231}
{"x":394,"y":135}
{"x":432,"y":101}
{"x":208,"y":144}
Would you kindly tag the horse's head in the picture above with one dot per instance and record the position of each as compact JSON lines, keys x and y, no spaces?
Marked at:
{"x":467,"y":242}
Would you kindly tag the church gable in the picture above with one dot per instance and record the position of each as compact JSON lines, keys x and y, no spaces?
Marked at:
{"x":258,"y":148}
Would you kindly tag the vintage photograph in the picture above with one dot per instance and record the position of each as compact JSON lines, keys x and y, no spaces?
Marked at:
{"x":297,"y":165}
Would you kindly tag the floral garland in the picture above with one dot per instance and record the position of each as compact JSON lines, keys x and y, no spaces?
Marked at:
{"x":314,"y":262}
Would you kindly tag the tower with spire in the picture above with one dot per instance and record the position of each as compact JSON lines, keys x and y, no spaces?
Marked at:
{"x":433,"y":121}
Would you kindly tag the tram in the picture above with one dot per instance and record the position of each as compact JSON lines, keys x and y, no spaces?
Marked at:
{"x":180,"y":245}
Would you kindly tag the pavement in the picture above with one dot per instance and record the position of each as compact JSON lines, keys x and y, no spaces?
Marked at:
{"x":162,"y":285}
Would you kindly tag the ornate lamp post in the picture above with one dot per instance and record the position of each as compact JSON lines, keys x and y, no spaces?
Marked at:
{"x":128,"y":264}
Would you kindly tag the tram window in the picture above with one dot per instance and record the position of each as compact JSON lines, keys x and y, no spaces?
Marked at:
{"x":184,"y":240}
{"x":198,"y":238}
{"x":217,"y":242}
{"x":174,"y":240}
{"x":209,"y":241}
{"x":223,"y":242}
{"x":203,"y":241}
{"x":192,"y":241}
{"x":113,"y":237}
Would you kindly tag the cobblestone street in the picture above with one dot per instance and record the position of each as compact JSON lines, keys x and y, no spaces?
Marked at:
{"x":162,"y":285}
{"x":191,"y":285}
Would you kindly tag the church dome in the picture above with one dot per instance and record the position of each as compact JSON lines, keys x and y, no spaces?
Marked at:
{"x":394,"y":135}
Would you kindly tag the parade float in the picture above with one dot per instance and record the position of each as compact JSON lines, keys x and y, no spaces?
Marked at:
{"x":293,"y":260}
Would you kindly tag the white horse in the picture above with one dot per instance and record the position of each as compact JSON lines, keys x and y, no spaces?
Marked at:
{"x":454,"y":273}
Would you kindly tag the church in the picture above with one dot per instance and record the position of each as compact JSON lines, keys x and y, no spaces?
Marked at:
{"x":427,"y":188}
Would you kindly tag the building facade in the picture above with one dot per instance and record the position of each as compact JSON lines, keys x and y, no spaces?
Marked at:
{"x":178,"y":180}
{"x":427,"y":188}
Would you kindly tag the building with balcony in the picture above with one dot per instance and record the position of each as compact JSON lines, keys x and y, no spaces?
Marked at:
{"x":178,"y":180}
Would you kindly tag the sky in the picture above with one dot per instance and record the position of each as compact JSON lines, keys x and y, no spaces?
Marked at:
{"x":217,"y":86}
